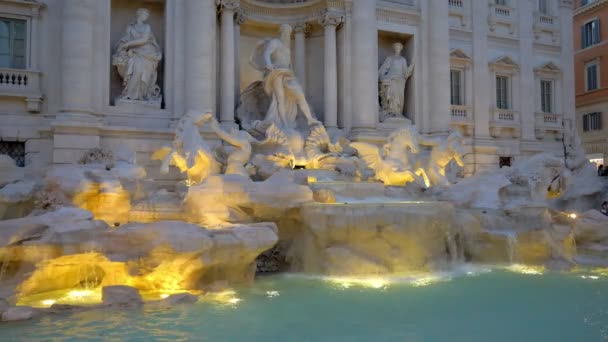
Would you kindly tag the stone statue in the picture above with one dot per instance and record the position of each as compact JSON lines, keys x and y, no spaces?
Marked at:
{"x":189,"y":151}
{"x":442,"y":153}
{"x":136,"y":58}
{"x":272,"y":56}
{"x":393,"y":75}
{"x":391,"y":165}
{"x":241,"y":152}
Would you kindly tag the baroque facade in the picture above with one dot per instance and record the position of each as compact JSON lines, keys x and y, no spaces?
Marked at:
{"x":591,"y":70}
{"x":500,"y":72}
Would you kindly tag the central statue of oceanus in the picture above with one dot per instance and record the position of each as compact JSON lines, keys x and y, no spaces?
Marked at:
{"x":278,"y":98}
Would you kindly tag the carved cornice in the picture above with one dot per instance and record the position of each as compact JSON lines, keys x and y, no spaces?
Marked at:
{"x":288,"y":13}
{"x":590,"y":7}
{"x":331,"y":19}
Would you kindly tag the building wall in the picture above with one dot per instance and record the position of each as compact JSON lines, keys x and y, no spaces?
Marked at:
{"x":189,"y":32}
{"x":595,"y":142}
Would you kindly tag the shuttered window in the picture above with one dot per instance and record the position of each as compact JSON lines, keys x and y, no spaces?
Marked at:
{"x":591,"y":75}
{"x":502,"y":92}
{"x":456,"y":87}
{"x":592,"y":122}
{"x":546,"y":96}
{"x":590,"y":33}
{"x":13,"y":43}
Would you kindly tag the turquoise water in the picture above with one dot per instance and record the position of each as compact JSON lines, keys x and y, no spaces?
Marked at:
{"x":487,"y":306}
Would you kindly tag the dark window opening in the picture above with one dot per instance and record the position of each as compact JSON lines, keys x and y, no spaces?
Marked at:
{"x":15,"y":150}
{"x":504,"y":161}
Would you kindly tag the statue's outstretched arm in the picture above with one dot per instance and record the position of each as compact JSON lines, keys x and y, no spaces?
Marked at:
{"x":224,"y":135}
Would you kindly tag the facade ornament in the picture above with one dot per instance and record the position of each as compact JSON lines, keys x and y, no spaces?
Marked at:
{"x":331,"y":18}
{"x":227,"y":5}
{"x":239,"y":17}
{"x":136,"y":58}
{"x":392,"y":76}
{"x":302,"y":27}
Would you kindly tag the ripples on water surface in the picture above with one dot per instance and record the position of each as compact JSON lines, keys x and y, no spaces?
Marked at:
{"x":487,"y":306}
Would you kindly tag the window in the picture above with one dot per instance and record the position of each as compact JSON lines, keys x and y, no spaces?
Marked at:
{"x":592,"y":76}
{"x":501,"y":2}
{"x":456,"y":87}
{"x":543,"y":7}
{"x":502,"y":92}
{"x":504,"y":161}
{"x":15,"y":150}
{"x":12,"y":43}
{"x":590,"y":33}
{"x":546,"y":96}
{"x":592,"y":122}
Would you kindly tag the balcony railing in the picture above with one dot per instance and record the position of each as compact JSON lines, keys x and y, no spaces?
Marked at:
{"x":549,"y":120}
{"x":456,"y":3}
{"x":22,"y":83}
{"x":506,"y":116}
{"x":460,"y":113}
{"x":501,"y":11}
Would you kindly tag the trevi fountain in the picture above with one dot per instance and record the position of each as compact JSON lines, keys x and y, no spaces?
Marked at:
{"x":282,"y":228}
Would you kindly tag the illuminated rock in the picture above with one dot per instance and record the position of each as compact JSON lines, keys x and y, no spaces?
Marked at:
{"x":16,"y":199}
{"x":19,"y":313}
{"x":356,"y":239}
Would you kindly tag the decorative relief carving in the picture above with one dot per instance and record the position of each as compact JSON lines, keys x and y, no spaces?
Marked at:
{"x":331,"y":18}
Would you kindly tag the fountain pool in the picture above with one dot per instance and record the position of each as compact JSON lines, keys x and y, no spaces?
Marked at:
{"x":475,"y":305}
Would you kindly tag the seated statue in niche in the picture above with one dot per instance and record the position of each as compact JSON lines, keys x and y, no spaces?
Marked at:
{"x":136,"y":59}
{"x":272,"y":56}
{"x":393,"y":75}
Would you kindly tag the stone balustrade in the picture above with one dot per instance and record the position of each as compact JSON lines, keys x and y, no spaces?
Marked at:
{"x":456,"y":3}
{"x":462,"y":119}
{"x":505,"y":123}
{"x":22,"y":83}
{"x":548,"y":125}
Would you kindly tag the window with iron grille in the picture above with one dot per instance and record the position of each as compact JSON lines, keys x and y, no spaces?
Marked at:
{"x":15,"y":150}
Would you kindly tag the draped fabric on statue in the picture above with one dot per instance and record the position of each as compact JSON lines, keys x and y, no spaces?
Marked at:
{"x":394,"y":95}
{"x":290,"y":86}
{"x":137,"y":64}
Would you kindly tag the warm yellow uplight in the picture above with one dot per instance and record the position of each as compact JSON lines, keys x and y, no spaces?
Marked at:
{"x":234,"y":300}
{"x":164,"y":295}
{"x":425,"y":281}
{"x":79,"y":294}
{"x":48,"y":302}
{"x":524,"y":269}
{"x":311,"y":179}
{"x":572,"y":216}
{"x":347,"y":282}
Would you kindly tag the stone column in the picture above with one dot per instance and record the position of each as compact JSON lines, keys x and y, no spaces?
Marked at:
{"x":77,"y":58}
{"x":227,"y":78}
{"x":330,"y":21}
{"x":239,"y":19}
{"x":364,"y":64}
{"x":199,"y":54}
{"x":527,"y":99}
{"x":482,"y":83}
{"x":439,"y":70}
{"x":300,"y":30}
{"x":567,"y":65}
{"x":345,"y":103}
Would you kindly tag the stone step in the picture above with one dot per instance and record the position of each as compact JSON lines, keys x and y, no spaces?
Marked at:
{"x":357,"y":190}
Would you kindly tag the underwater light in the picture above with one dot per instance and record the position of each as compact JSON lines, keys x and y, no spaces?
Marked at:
{"x":347,"y":282}
{"x":234,"y":300}
{"x":523,"y":269}
{"x":48,"y":302}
